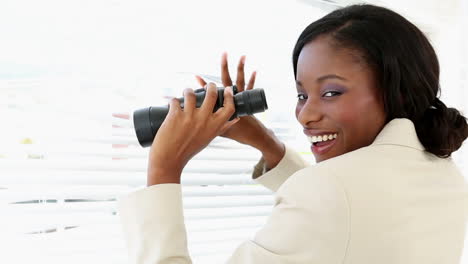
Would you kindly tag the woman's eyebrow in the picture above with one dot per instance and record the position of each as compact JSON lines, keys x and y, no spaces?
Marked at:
{"x":322,"y":78}
{"x":330,"y":76}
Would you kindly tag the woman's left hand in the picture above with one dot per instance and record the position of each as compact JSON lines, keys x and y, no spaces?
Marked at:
{"x":185,"y":132}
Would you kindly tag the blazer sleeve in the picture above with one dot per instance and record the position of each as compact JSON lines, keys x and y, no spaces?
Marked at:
{"x":309,"y":223}
{"x":275,"y":177}
{"x":153,"y":225}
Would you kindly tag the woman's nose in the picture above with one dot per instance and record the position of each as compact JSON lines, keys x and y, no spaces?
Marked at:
{"x":308,"y":112}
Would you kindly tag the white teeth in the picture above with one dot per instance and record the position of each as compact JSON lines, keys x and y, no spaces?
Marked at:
{"x":321,"y":138}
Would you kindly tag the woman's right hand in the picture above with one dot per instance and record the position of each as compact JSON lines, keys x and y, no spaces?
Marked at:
{"x":248,"y":130}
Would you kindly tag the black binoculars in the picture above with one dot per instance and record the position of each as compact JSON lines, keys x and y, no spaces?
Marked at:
{"x":148,"y":120}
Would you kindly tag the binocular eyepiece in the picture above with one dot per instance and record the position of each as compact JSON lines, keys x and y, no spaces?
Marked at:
{"x":147,"y":121}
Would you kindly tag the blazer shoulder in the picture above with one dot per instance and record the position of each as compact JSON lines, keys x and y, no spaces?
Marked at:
{"x":367,"y":157}
{"x":314,"y":183}
{"x":350,"y":160}
{"x":357,"y":163}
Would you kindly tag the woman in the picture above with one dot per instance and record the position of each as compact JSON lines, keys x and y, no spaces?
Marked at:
{"x":384,"y":189}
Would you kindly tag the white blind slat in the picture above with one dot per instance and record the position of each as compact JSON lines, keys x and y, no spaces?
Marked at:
{"x":188,"y":202}
{"x":131,"y":179}
{"x":60,"y":192}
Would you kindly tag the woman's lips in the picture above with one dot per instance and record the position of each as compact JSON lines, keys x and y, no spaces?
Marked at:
{"x":323,"y":147}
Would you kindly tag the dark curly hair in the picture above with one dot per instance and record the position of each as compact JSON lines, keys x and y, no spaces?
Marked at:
{"x":406,"y":67}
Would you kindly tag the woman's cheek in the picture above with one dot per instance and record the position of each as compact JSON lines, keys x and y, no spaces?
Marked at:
{"x":343,"y":113}
{"x":346,"y":119}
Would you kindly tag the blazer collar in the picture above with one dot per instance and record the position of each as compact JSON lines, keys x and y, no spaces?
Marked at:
{"x":399,"y":131}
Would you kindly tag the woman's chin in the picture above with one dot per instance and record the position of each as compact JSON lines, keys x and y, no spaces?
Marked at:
{"x":320,"y":158}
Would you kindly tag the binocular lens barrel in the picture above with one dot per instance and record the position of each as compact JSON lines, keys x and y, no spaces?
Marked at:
{"x":147,"y":121}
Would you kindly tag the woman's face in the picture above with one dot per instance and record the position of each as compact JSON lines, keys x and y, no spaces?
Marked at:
{"x":337,"y":97}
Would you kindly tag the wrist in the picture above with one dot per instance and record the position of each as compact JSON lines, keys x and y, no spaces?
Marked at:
{"x":273,"y":157}
{"x":161,"y":180}
{"x":272,"y":150}
{"x":161,"y":175}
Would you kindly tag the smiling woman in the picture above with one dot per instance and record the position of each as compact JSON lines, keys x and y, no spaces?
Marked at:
{"x":383,"y":189}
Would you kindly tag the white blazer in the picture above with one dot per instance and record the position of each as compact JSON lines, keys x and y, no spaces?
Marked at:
{"x":388,"y":203}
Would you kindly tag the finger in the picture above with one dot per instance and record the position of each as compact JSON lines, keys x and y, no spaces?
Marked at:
{"x":228,"y":108}
{"x":228,"y":125}
{"x":211,"y":97}
{"x":225,"y":78}
{"x":174,"y":106}
{"x":189,"y":100}
{"x":251,"y":83}
{"x":240,"y":80}
{"x":200,"y":81}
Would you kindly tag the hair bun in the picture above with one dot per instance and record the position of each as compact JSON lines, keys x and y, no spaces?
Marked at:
{"x":442,"y":130}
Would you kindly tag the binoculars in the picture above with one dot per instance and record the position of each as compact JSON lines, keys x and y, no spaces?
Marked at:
{"x":147,"y":121}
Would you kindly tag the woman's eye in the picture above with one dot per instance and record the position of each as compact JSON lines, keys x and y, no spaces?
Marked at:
{"x":301,"y":96}
{"x":333,"y":93}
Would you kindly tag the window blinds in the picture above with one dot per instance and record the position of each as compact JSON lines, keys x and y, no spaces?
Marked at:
{"x":64,"y":162}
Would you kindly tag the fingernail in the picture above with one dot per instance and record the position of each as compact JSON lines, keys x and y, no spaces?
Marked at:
{"x":243,"y":59}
